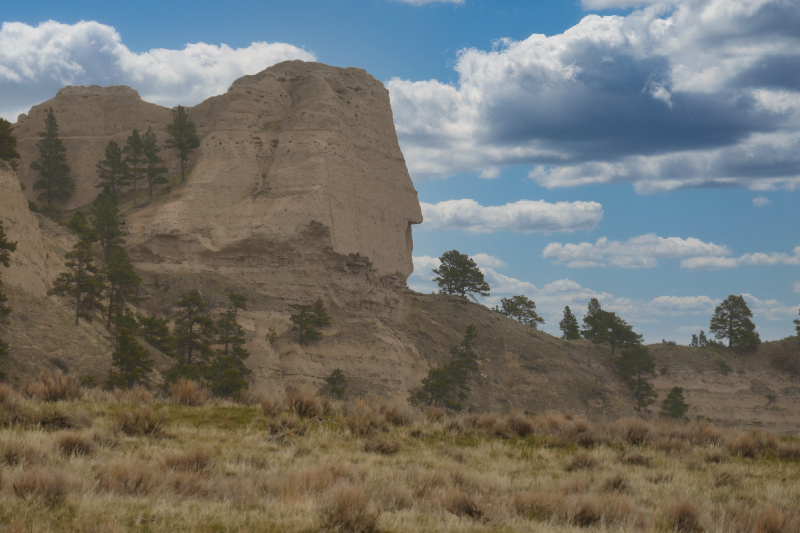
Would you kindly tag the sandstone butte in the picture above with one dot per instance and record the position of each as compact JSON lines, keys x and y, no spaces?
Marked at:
{"x":299,"y":190}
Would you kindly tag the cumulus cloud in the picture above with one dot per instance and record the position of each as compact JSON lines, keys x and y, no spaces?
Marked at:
{"x":525,"y":216}
{"x":637,"y":252}
{"x":761,"y":201}
{"x":490,"y":173}
{"x":37,"y":61}
{"x":672,"y":95}
{"x":754,"y":259}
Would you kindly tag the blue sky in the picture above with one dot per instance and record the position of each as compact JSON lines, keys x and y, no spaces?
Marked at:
{"x":645,"y":153}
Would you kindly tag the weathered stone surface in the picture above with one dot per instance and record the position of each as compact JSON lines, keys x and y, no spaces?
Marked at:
{"x":88,"y":117}
{"x":300,"y":189}
{"x":36,"y":262}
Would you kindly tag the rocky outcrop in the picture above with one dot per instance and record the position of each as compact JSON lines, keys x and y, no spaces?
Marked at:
{"x":88,"y":117}
{"x":300,"y":190}
{"x":37,"y":260}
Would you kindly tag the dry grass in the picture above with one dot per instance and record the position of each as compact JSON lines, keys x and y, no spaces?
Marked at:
{"x":304,"y":464}
{"x":187,"y":392}
{"x":53,"y":387}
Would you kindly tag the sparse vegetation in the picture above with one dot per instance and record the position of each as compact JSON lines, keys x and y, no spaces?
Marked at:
{"x":8,"y":144}
{"x":224,"y":466}
{"x":6,"y":247}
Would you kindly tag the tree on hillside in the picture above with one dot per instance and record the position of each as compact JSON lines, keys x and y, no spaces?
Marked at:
{"x":458,"y":274}
{"x":105,"y":222}
{"x":155,"y":332}
{"x":182,"y":137}
{"x":8,"y":144}
{"x":675,"y":406}
{"x":637,"y":366}
{"x":6,"y":247}
{"x":592,"y":323}
{"x":55,"y":182}
{"x":337,"y":384}
{"x":83,"y":282}
{"x":113,"y":171}
{"x":569,"y":326}
{"x":304,"y":324}
{"x":132,"y":362}
{"x":154,"y":168}
{"x":135,"y":159}
{"x":797,"y":326}
{"x":237,"y":302}
{"x":122,"y":283}
{"x":699,"y":341}
{"x":319,"y":314}
{"x":731,"y":320}
{"x":227,"y":368}
{"x":80,"y":227}
{"x":601,"y":326}
{"x":448,"y":386}
{"x":522,"y":309}
{"x":194,"y":335}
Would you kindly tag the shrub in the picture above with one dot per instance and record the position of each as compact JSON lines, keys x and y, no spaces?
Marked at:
{"x":188,"y":461}
{"x":72,"y":443}
{"x":347,"y":508}
{"x":188,"y":392}
{"x":305,"y":405}
{"x":53,"y":387}
{"x":616,"y":483}
{"x":128,"y":477}
{"x":520,"y":425}
{"x":137,"y":394}
{"x":142,"y":421}
{"x":581,"y":461}
{"x":634,"y":458}
{"x":42,"y":484}
{"x":270,"y":406}
{"x":684,"y":517}
{"x":786,"y":359}
{"x":16,"y":452}
{"x":381,"y":446}
{"x":456,"y":501}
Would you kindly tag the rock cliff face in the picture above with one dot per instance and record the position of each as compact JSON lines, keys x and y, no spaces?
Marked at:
{"x":88,"y":117}
{"x":299,"y":188}
{"x":37,"y":259}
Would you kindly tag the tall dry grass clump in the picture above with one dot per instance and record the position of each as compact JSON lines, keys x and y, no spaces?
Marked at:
{"x":195,"y":460}
{"x":188,"y":392}
{"x":270,"y":405}
{"x":137,"y":395}
{"x":53,"y":387}
{"x":74,"y":443}
{"x":684,"y":516}
{"x":128,"y":477}
{"x":141,"y":421}
{"x":347,"y":508}
{"x":44,"y":485}
{"x":305,"y":405}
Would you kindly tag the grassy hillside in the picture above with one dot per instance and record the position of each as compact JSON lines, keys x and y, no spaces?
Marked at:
{"x":96,"y":461}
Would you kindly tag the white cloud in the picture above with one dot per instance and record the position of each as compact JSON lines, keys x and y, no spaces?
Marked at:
{"x":754,"y":259}
{"x":37,"y":61}
{"x":490,"y":173}
{"x":524,"y":216}
{"x":488,"y":261}
{"x":620,"y":4}
{"x":637,"y":252}
{"x":761,"y":201}
{"x":673,"y":95}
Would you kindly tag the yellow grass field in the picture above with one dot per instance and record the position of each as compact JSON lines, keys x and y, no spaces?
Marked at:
{"x":73,"y":459}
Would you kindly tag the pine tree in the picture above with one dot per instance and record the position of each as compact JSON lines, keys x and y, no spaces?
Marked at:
{"x":135,"y":159}
{"x":569,"y":326}
{"x":154,"y":167}
{"x":105,"y":221}
{"x":55,"y":182}
{"x":337,"y":384}
{"x":113,"y":171}
{"x":182,"y":137}
{"x":591,"y":321}
{"x":731,"y":320}
{"x":131,"y":360}
{"x":194,"y":335}
{"x":8,"y":144}
{"x":319,"y":314}
{"x":83,"y":282}
{"x":304,"y":324}
{"x":237,"y":302}
{"x":675,"y":406}
{"x":80,"y":227}
{"x":522,"y":309}
{"x":122,"y":283}
{"x":637,"y":366}
{"x":459,"y":274}
{"x":797,"y":325}
{"x":601,"y":326}
{"x":155,"y":332}
{"x":228,"y":369}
